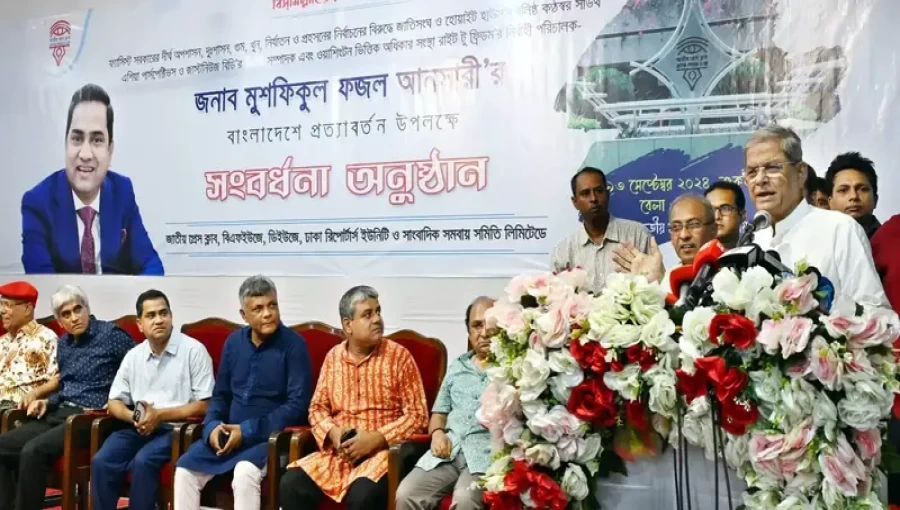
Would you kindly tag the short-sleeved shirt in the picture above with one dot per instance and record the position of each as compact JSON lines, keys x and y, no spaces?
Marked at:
{"x":459,"y":398}
{"x":578,"y":250}
{"x":27,"y":360}
{"x":180,"y":375}
{"x":88,"y":364}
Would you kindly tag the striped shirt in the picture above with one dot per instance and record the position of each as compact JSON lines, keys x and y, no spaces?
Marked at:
{"x":383,"y":393}
{"x":578,"y":250}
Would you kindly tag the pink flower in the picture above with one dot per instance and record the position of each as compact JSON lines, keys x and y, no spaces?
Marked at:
{"x":577,"y":307}
{"x":868,"y":442}
{"x":765,"y":452}
{"x":499,"y":403}
{"x":841,"y":322}
{"x":574,"y":278}
{"x":799,"y":292}
{"x":842,"y":468}
{"x":507,"y":316}
{"x":770,"y":335}
{"x":796,"y":335}
{"x":537,"y":285}
{"x":553,"y":328}
{"x":877,"y":327}
{"x":827,"y":366}
{"x":796,"y":444}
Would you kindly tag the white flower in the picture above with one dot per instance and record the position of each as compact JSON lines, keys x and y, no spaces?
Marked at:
{"x":574,"y":278}
{"x":663,"y":396}
{"x":658,"y":331}
{"x":648,"y":300}
{"x":765,"y":302}
{"x":737,"y":454}
{"x":694,"y":342}
{"x":534,"y":408}
{"x":865,"y":404}
{"x":567,"y":446}
{"x":563,"y":363}
{"x":621,"y":337}
{"x":545,"y":426}
{"x":767,"y":385}
{"x":533,"y":379}
{"x":494,"y":477}
{"x":589,"y":448}
{"x":825,"y":415}
{"x":627,"y":382}
{"x":737,"y":293}
{"x":575,"y":483}
{"x":794,"y":502}
{"x":761,"y":500}
{"x":798,"y":401}
{"x":512,"y":431}
{"x":543,"y":454}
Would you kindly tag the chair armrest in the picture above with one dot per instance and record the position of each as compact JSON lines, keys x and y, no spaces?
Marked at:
{"x":279,"y":444}
{"x":13,"y":419}
{"x":101,"y":428}
{"x":302,"y":444}
{"x":402,"y":457}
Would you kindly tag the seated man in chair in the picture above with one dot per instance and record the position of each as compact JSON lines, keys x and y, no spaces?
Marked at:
{"x":27,"y":350}
{"x":263,"y":385}
{"x":369,"y":396}
{"x":89,"y":356}
{"x":460,"y":446}
{"x":165,"y":379}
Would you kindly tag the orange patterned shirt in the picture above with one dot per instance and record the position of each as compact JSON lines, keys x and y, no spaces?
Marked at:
{"x":26,"y":360}
{"x":382,"y":392}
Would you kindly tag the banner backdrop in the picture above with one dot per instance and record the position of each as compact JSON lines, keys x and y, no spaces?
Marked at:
{"x":415,"y":137}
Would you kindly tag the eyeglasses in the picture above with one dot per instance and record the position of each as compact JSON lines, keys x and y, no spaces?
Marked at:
{"x":726,"y":209}
{"x":769,"y":170}
{"x":693,"y":226}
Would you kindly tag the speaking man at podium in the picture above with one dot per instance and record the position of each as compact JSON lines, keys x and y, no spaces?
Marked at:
{"x":832,"y":242}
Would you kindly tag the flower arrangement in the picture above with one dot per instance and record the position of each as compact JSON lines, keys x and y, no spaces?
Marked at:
{"x":802,"y":382}
{"x":578,"y":383}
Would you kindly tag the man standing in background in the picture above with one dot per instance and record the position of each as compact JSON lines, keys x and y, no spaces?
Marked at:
{"x":591,"y":246}
{"x":853,"y":189}
{"x":84,"y":218}
{"x":730,"y":205}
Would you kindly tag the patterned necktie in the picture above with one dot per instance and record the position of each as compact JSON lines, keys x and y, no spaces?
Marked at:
{"x":88,"y":265}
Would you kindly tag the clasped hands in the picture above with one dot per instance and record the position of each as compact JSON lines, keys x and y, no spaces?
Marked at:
{"x":235,"y":439}
{"x":362,"y":445}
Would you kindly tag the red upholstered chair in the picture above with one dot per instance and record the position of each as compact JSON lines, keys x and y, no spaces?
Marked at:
{"x":129,"y":324}
{"x":430,"y":356}
{"x":71,"y":472}
{"x":52,"y":323}
{"x":212,"y":333}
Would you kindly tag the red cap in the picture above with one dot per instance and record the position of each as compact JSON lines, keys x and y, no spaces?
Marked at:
{"x":22,"y":291}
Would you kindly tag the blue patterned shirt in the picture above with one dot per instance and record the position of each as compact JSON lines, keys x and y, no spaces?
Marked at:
{"x":87,"y":367}
{"x":459,"y":399}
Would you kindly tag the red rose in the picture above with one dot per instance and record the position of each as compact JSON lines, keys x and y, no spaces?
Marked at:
{"x":738,"y":417}
{"x":734,"y":329}
{"x":547,"y":494}
{"x":896,"y":406}
{"x":590,"y":355}
{"x":692,"y":386}
{"x":728,"y":382}
{"x":503,"y":501}
{"x":636,"y":414}
{"x":617,"y":366}
{"x":593,"y":402}
{"x":518,"y":480}
{"x":648,"y":359}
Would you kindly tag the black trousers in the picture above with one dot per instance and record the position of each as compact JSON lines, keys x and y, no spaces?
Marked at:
{"x":299,"y":492}
{"x":27,"y":455}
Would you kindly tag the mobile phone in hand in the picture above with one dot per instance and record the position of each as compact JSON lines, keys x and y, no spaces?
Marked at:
{"x":140,"y":409}
{"x":348,"y":435}
{"x":223,"y":438}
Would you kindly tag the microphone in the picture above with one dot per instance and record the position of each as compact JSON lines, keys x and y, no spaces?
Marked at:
{"x":751,"y":255}
{"x":679,"y":282}
{"x":761,"y":221}
{"x":706,"y":263}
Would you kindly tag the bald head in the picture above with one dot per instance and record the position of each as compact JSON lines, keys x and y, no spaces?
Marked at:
{"x":479,"y":335}
{"x":692,"y":223}
{"x":481,"y":302}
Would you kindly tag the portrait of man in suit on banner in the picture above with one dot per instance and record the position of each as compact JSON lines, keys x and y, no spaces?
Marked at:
{"x":84,"y":218}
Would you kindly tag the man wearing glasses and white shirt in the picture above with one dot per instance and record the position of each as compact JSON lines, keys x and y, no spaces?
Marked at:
{"x":832,"y":242}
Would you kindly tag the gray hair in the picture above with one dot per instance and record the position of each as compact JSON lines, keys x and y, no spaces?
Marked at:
{"x":256,"y":286}
{"x":790,"y":142}
{"x":352,"y":297}
{"x":479,"y":299}
{"x":708,"y":210}
{"x":65,"y":295}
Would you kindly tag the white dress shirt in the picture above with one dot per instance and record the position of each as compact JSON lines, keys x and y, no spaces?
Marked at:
{"x":182,"y":374}
{"x":95,"y":228}
{"x":833,"y":243}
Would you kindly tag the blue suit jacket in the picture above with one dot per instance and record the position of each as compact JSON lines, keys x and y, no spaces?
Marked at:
{"x":50,"y":242}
